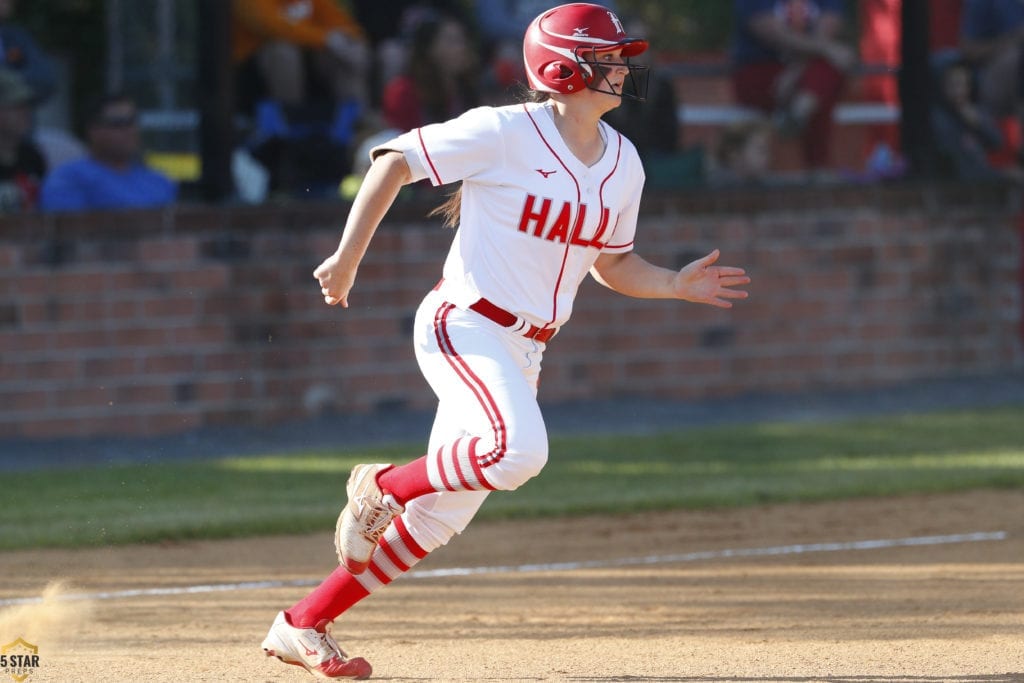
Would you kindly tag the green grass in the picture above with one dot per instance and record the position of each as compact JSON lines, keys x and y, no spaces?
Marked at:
{"x":697,"y":468}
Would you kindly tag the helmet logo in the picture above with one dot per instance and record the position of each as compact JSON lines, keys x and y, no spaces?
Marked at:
{"x":616,"y":23}
{"x":581,"y":32}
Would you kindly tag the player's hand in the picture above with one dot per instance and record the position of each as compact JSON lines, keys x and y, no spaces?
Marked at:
{"x":336,"y":279}
{"x":705,"y":283}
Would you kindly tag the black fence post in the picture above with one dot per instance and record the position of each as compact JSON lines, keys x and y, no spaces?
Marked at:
{"x":915,"y":86}
{"x":215,"y":99}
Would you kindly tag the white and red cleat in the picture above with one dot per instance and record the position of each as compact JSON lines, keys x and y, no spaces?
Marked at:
{"x":364,"y":519}
{"x":314,"y":649}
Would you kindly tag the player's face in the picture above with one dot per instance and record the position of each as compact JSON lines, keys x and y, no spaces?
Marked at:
{"x":611,"y":74}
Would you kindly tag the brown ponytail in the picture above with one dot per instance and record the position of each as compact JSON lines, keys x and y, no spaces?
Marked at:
{"x":451,"y":209}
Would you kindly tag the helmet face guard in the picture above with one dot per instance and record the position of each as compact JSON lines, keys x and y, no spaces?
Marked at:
{"x":634,"y":87}
{"x":563,"y":47}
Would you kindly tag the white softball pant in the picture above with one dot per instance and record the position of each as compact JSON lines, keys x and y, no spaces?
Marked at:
{"x":488,"y":433}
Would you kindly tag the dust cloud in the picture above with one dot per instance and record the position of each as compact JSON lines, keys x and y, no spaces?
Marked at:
{"x":44,"y":621}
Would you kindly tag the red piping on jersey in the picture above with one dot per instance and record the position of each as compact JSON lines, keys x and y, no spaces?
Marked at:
{"x":433,"y":169}
{"x":479,"y":389}
{"x":565,"y":254}
{"x":600,"y":191}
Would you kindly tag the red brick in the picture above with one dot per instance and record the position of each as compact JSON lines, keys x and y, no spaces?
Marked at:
{"x":97,"y":397}
{"x":138,"y":337}
{"x":171,"y":306}
{"x":24,"y":400}
{"x":78,"y":340}
{"x":199,"y":335}
{"x":76,"y":285}
{"x":220,"y":362}
{"x":171,"y":422}
{"x":198,"y":279}
{"x":89,"y":310}
{"x":10,"y":256}
{"x":133,"y":395}
{"x":115,"y":309}
{"x":104,"y":367}
{"x":169,"y":250}
{"x":169,"y":364}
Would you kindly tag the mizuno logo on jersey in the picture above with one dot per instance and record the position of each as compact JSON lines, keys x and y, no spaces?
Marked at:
{"x":545,"y":173}
{"x":565,"y":226}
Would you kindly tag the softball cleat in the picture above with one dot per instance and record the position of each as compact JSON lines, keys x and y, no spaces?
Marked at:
{"x":314,"y":649}
{"x":364,"y":519}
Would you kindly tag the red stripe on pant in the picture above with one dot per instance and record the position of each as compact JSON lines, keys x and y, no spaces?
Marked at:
{"x":483,"y":396}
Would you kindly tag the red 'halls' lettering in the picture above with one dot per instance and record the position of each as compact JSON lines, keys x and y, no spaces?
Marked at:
{"x":528,"y":215}
{"x":596,"y":241}
{"x":559,"y":230}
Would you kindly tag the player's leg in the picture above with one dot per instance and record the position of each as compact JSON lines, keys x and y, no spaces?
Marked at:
{"x":426,"y":524}
{"x":300,"y":633}
{"x":489,"y":378}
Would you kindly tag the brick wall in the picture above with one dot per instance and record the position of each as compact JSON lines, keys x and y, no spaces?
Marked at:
{"x":151,"y":322}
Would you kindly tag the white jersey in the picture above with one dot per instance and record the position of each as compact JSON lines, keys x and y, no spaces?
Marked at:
{"x":534,"y":218}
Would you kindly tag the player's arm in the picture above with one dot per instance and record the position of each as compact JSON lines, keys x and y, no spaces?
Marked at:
{"x":386,"y":176}
{"x":700,"y":281}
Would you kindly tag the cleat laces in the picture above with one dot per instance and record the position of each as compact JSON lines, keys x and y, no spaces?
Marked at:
{"x":378,"y":518}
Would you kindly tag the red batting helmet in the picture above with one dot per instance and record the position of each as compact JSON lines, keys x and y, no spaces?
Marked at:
{"x":562,"y":44}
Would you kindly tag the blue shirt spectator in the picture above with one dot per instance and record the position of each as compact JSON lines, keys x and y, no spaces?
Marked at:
{"x":111,"y":176}
{"x":88,"y":184}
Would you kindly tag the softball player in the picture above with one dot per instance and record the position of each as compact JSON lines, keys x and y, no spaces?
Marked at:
{"x":549,"y":193}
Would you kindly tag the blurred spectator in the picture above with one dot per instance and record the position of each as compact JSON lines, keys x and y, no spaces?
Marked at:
{"x":21,"y":53}
{"x":302,"y":68}
{"x":502,"y":25}
{"x":743,"y":155}
{"x":991,"y":40}
{"x":58,"y":145}
{"x":791,"y":61}
{"x":22,"y":166}
{"x":112,"y":176}
{"x":441,"y":76}
{"x":290,"y":46}
{"x":966,"y":133}
{"x":388,"y":25}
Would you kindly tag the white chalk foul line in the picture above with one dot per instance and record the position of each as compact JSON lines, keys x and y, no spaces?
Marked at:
{"x":797,"y":549}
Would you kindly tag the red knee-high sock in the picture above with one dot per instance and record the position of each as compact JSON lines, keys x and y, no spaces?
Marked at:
{"x":395,"y":555}
{"x":459,"y":465}
{"x":334,"y":595}
{"x":406,"y":481}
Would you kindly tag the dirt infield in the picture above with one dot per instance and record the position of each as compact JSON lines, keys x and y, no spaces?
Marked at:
{"x":698,"y":610}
